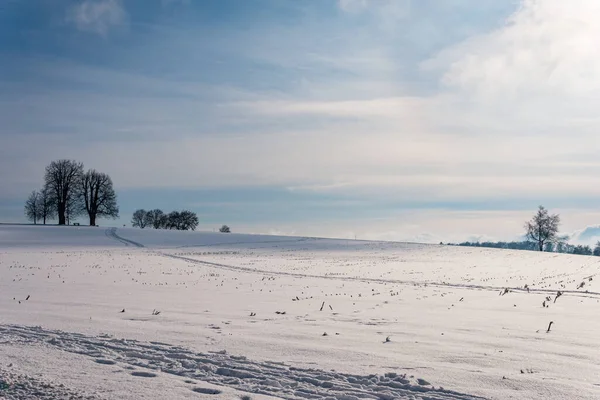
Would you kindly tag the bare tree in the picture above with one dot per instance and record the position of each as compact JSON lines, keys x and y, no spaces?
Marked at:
{"x":189,"y":220}
{"x":174,"y":220}
{"x":62,"y":180}
{"x":32,"y":207}
{"x":47,"y":205}
{"x":224,"y":229}
{"x":155,"y":218}
{"x":543,"y":228}
{"x":182,"y":221}
{"x":99,"y":197}
{"x":74,"y":206}
{"x":162,"y":222}
{"x":139,"y":219}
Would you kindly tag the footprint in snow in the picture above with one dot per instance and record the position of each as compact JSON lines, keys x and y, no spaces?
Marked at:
{"x":144,"y":374}
{"x":206,"y":391}
{"x":105,"y":362}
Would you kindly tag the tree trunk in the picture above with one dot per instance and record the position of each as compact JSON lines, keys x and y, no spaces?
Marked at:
{"x":61,"y":215}
{"x":44,"y":219}
{"x":92,"y":219}
{"x":541,"y":246}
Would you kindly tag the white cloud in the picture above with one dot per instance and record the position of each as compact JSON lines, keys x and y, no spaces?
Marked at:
{"x":97,"y":16}
{"x":511,"y":113}
{"x":394,"y":108}
{"x":538,"y":74}
{"x":590,"y":235}
{"x":476,"y":138}
{"x":548,"y":47}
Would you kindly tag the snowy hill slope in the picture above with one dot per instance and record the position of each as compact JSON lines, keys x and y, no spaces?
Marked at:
{"x":250,"y":315}
{"x":52,"y":236}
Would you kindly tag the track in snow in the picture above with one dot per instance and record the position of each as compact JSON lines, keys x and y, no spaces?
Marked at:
{"x":112,"y":233}
{"x":219,"y":368}
{"x":375,"y":280}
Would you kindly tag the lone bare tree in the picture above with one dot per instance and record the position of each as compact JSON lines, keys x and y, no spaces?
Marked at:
{"x":47,"y":205}
{"x":32,"y":207}
{"x":62,"y":180}
{"x":139,"y":218}
{"x":99,"y":197}
{"x":543,"y":227}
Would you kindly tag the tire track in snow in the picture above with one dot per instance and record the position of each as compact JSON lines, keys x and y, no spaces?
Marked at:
{"x":219,"y":368}
{"x":245,"y":242}
{"x":375,"y":280}
{"x":112,"y":233}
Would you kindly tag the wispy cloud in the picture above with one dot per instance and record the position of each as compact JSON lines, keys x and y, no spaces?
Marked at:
{"x":389,"y":14}
{"x":546,"y":47}
{"x":393,"y":8}
{"x":541,"y":69}
{"x":97,"y":16}
{"x":446,"y":106}
{"x":353,"y":5}
{"x":172,"y":2}
{"x":398,"y":107}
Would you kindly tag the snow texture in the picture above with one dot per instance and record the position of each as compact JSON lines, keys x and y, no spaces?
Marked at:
{"x":130,"y":314}
{"x":219,"y":368}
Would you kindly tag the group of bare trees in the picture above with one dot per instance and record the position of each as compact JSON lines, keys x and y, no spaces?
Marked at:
{"x":40,"y":206}
{"x":69,"y":192}
{"x":179,"y":220}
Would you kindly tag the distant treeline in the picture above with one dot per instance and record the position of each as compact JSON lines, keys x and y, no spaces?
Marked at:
{"x":560,"y":247}
{"x":179,"y":220}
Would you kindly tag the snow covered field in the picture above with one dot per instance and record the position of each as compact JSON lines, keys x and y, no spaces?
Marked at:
{"x":249,"y":316}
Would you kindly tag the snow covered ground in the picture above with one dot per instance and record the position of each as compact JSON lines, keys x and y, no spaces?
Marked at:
{"x":249,"y":316}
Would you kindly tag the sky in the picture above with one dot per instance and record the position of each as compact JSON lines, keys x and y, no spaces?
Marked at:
{"x":414,"y":120}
